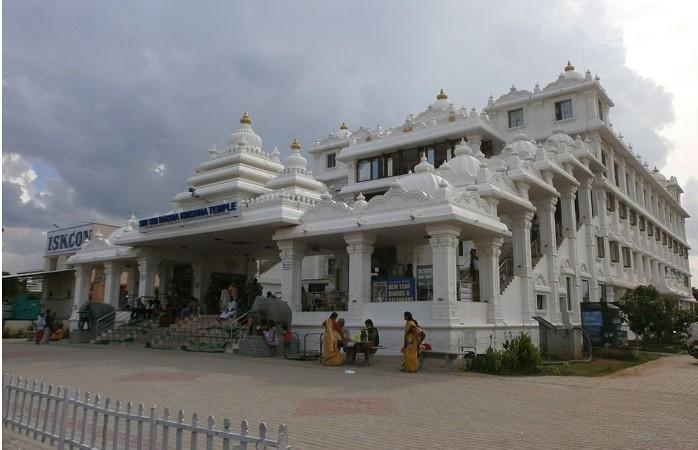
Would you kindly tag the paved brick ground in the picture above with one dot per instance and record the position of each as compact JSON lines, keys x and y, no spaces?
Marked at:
{"x":648,"y":407}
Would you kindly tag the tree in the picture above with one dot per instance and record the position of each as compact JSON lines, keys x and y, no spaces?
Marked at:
{"x":642,"y":306}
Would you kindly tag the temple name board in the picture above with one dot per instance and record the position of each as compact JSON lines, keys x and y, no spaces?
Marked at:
{"x":223,"y":209}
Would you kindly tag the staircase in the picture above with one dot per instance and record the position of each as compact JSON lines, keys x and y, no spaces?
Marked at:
{"x":198,"y":333}
{"x":137,"y":331}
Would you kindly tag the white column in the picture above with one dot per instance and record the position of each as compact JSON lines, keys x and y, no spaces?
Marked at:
{"x":488,"y":251}
{"x":131,"y":279}
{"x":200,"y":276}
{"x":360,"y":249}
{"x":291,"y":254}
{"x":81,"y":292}
{"x":521,"y":241}
{"x":112,"y":282}
{"x":546,"y":219}
{"x":444,"y":239}
{"x":147,"y":268}
{"x":163,"y":277}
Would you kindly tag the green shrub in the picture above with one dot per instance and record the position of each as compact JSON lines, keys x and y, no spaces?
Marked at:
{"x":519,"y":356}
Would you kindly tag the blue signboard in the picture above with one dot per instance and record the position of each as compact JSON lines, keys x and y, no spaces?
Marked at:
{"x":400,"y":290}
{"x":67,"y":240}
{"x":223,"y":209}
{"x":592,"y":321}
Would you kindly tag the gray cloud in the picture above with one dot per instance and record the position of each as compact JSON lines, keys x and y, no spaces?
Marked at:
{"x":103,"y":92}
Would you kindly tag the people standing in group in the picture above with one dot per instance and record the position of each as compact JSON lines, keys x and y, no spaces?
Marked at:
{"x":413,"y":339}
{"x":330,"y":349}
{"x":40,"y":329}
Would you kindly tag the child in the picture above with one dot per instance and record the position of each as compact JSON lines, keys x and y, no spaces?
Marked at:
{"x":287,"y":336}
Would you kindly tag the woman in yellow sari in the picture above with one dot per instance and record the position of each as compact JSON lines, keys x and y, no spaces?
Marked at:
{"x":330,"y":349}
{"x":410,"y":350}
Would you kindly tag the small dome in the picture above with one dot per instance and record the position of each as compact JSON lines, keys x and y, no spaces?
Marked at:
{"x":423,"y":179}
{"x":567,"y":77}
{"x":295,"y":160}
{"x":464,"y":161}
{"x":523,"y":147}
{"x":559,"y":141}
{"x":245,"y":135}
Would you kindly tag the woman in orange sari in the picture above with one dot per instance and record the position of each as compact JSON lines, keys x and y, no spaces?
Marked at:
{"x":330,"y":350}
{"x":410,"y":350}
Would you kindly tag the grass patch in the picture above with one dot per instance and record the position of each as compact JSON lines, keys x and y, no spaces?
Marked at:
{"x":662,"y":348}
{"x":597,"y":367}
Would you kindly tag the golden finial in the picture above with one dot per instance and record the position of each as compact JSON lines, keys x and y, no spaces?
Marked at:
{"x":569,"y":66}
{"x":295,"y":145}
{"x":245,"y":118}
{"x":343,"y":126}
{"x":442,"y":95}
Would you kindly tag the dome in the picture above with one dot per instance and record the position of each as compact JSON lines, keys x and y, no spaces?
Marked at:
{"x":567,"y":77}
{"x":523,"y":147}
{"x":464,"y":161}
{"x":657,"y":175}
{"x":343,"y":131}
{"x":441,"y":103}
{"x":423,"y":179}
{"x":245,"y":135}
{"x":295,"y":160}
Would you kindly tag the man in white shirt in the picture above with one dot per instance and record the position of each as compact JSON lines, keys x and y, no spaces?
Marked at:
{"x":232,"y":307}
{"x":225,"y":297}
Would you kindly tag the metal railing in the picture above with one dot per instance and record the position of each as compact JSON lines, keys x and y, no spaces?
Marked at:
{"x":108,"y":320}
{"x":325,"y":301}
{"x":64,"y":420}
{"x":506,"y":274}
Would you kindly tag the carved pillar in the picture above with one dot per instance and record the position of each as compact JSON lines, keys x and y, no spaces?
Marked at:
{"x":521,"y":241}
{"x":112,"y":282}
{"x":360,"y":249}
{"x":488,"y":251}
{"x":444,"y":239}
{"x":546,"y":219}
{"x":147,"y":268}
{"x":81,"y":292}
{"x":291,"y":254}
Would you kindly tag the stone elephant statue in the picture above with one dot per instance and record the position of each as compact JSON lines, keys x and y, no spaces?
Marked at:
{"x":269,"y":308}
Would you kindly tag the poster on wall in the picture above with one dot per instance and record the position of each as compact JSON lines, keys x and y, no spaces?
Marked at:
{"x":401,"y":290}
{"x":379,"y":291}
{"x":425,"y":283}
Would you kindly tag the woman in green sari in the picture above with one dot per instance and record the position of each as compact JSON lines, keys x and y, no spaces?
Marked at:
{"x":330,"y":350}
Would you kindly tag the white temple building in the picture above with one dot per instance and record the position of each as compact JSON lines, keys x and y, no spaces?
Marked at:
{"x":558,"y":209}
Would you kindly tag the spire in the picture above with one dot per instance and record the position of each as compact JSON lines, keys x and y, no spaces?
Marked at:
{"x":343,"y":126}
{"x":245,"y":119}
{"x":295,"y":145}
{"x":569,"y":66}
{"x":441,"y":95}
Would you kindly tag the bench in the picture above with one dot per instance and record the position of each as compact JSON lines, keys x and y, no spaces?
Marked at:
{"x":447,"y":355}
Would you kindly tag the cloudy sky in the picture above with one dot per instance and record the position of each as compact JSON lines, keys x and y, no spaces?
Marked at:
{"x":109,"y":106}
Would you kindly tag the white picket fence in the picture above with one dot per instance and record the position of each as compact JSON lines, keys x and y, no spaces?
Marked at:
{"x":55,"y":416}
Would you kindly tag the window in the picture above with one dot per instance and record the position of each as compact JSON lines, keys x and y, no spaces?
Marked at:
{"x":585,"y":291}
{"x":616,"y":174}
{"x":331,"y":266}
{"x":594,"y":207}
{"x":600,"y":247}
{"x":53,"y":263}
{"x":663,"y":238}
{"x":657,"y":235}
{"x":669,"y":244}
{"x":600,"y":105}
{"x":563,"y":110}
{"x":540,"y":302}
{"x":626,"y":257}
{"x":331,"y":160}
{"x":642,"y":223}
{"x":610,"y":202}
{"x":389,"y":166}
{"x":602,"y":293}
{"x":676,"y":247}
{"x":622,"y":210}
{"x":650,"y":228}
{"x":569,"y":293}
{"x":516,"y":118}
{"x":615,"y":256}
{"x":604,"y":159}
{"x":368,"y":169}
{"x":633,"y":217}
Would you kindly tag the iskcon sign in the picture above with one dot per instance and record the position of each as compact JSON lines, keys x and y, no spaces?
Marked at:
{"x":223,"y":209}
{"x":67,"y":240}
